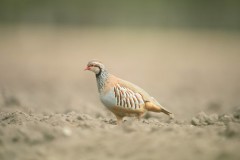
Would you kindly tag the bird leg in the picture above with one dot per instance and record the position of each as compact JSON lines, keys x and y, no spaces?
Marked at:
{"x":119,"y":119}
{"x":139,"y":116}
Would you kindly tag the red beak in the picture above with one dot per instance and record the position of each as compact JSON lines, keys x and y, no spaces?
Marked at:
{"x":87,"y":68}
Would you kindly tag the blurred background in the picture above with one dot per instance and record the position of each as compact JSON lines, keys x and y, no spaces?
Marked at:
{"x":185,"y":53}
{"x":223,"y":14}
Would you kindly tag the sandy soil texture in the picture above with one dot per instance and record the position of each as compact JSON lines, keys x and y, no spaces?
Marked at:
{"x":49,"y":107}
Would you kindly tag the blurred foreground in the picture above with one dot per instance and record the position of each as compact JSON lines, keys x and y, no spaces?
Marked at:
{"x":50,"y":107}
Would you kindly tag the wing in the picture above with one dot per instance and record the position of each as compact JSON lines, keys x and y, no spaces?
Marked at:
{"x":127,"y":98}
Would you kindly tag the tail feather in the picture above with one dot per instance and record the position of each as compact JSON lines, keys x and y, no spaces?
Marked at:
{"x":165,"y":111}
{"x":158,"y":108}
{"x":171,"y":115}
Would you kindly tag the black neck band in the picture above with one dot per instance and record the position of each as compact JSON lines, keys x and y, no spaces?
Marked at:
{"x":100,"y":71}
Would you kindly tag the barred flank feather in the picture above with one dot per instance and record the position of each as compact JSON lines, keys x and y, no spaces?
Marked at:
{"x":127,"y":98}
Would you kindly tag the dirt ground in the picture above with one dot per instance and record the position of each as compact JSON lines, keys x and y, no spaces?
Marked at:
{"x":50,"y":109}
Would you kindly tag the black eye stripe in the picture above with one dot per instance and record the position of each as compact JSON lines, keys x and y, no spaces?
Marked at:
{"x":92,"y":65}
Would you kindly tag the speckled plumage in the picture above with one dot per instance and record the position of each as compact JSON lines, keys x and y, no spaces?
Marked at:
{"x":122,"y":97}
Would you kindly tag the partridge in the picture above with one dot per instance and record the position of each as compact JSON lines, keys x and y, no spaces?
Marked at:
{"x":121,"y":97}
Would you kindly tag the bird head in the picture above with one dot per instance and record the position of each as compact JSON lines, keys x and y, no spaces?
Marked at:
{"x":95,"y":66}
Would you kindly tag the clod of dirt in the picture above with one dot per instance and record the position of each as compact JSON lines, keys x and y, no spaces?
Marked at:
{"x":17,"y":118}
{"x":67,"y":131}
{"x":236,"y":114}
{"x":226,"y":118}
{"x":203,"y":119}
